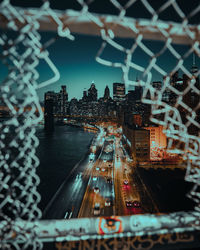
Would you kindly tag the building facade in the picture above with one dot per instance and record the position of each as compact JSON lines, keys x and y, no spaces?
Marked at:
{"x":138,"y":141}
{"x":92,"y":93}
{"x":118,"y":92}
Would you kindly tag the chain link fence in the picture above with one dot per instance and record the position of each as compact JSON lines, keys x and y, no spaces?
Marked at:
{"x":175,"y":107}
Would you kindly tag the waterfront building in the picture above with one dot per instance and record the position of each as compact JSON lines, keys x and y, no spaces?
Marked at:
{"x":59,"y":101}
{"x":51,"y":95}
{"x":49,"y":114}
{"x":62,"y":100}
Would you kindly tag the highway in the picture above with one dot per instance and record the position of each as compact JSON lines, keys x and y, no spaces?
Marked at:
{"x":111,"y":180}
{"x":102,"y":184}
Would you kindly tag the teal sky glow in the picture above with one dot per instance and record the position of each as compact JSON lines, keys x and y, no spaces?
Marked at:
{"x":76,"y":63}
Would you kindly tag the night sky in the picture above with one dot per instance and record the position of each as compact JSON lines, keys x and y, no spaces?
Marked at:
{"x":76,"y":59}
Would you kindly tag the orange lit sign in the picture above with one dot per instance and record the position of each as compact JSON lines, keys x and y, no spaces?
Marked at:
{"x":108,"y":225}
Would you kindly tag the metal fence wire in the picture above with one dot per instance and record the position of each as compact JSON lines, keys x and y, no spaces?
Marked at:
{"x":177,"y":108}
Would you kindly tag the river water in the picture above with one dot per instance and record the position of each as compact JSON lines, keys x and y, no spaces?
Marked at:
{"x":58,"y":154}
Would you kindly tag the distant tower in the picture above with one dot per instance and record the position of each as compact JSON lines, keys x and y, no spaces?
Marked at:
{"x":49,"y":111}
{"x":64,"y":92}
{"x":63,"y":100}
{"x":106,"y":93}
{"x":92,"y":93}
{"x":85,"y":97}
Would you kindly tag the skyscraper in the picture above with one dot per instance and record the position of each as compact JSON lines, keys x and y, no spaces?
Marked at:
{"x":118,"y":92}
{"x":51,"y":97}
{"x":49,"y":112}
{"x":63,"y":100}
{"x":106,"y":93}
{"x":85,"y":97}
{"x":92,"y":93}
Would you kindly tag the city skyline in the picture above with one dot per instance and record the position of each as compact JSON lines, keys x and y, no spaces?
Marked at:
{"x":100,"y":124}
{"x":75,"y":60}
{"x":78,"y":68}
{"x":85,"y":90}
{"x":110,"y":86}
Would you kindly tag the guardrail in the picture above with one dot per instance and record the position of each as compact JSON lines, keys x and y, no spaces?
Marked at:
{"x":103,"y":227}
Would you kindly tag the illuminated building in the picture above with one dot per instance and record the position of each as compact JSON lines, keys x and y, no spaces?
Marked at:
{"x":102,"y":107}
{"x":158,"y":141}
{"x":157,"y":137}
{"x":73,"y":107}
{"x":118,"y":92}
{"x":111,"y":109}
{"x":59,"y":101}
{"x":82,"y":108}
{"x":62,"y":100}
{"x":138,"y":140}
{"x":94,"y":109}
